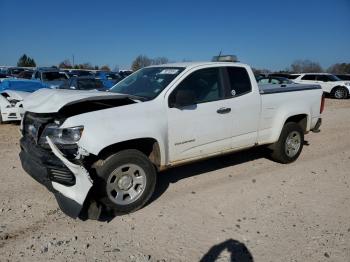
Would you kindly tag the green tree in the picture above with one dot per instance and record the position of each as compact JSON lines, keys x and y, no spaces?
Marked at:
{"x":26,"y":61}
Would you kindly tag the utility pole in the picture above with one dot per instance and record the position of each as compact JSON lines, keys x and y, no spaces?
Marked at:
{"x":73,"y":59}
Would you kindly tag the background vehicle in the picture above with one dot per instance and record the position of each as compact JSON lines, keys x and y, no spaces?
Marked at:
{"x":125,"y":73}
{"x":274,"y":80}
{"x":285,"y":75}
{"x":26,"y":74}
{"x":26,"y":85}
{"x":102,"y":150}
{"x":14,"y":71}
{"x":53,"y":78}
{"x":330,"y":84}
{"x":76,"y":72}
{"x":11,"y":105}
{"x":109,"y":79}
{"x":83,"y":83}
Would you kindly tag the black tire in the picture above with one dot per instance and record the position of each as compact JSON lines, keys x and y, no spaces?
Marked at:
{"x":0,"y":119}
{"x":280,"y":148}
{"x":339,"y":92}
{"x":108,"y":171}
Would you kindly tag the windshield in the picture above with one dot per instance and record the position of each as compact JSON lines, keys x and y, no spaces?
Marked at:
{"x":147,"y":82}
{"x":52,"y":76}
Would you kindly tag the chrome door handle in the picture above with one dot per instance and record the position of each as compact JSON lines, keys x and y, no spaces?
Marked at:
{"x":223,"y":110}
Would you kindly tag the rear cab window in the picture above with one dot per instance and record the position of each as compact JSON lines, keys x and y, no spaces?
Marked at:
{"x":239,"y":81}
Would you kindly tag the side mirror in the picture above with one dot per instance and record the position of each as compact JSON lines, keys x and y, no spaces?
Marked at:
{"x":182,"y":98}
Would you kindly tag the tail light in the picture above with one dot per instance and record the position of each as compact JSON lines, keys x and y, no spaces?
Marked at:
{"x":322,"y":103}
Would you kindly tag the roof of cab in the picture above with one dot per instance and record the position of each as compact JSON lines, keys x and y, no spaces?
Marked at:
{"x":196,"y":64}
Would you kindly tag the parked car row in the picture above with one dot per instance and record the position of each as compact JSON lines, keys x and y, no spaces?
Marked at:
{"x":17,"y":83}
{"x":337,"y":86}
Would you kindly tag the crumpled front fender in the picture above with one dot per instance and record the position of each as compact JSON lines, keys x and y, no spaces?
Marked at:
{"x":80,"y":190}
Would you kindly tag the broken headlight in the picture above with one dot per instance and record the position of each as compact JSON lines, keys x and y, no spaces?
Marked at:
{"x":61,"y":136}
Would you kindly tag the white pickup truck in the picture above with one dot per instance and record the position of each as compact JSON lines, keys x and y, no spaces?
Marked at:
{"x":102,"y":150}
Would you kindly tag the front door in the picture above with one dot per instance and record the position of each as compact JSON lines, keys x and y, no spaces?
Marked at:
{"x":204,"y":126}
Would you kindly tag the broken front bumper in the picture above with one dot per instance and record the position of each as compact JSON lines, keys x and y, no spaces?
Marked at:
{"x":70,"y":183}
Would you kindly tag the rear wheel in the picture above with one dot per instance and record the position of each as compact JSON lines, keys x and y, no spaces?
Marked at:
{"x":340,"y":92}
{"x":289,"y":145}
{"x":1,"y":118}
{"x":128,"y":180}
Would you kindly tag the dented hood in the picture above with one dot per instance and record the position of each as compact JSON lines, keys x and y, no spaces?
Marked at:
{"x":53,"y":100}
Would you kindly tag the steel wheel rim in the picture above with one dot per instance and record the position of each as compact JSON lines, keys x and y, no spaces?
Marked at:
{"x":126,"y":184}
{"x":293,"y":143}
{"x":339,"y":93}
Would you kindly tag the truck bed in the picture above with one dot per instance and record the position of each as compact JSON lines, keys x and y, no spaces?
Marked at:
{"x":273,"y":88}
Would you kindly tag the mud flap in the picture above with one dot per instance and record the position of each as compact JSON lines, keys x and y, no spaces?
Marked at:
{"x":74,"y":195}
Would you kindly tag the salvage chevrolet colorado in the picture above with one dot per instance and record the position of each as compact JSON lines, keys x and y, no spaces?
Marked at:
{"x":102,"y":150}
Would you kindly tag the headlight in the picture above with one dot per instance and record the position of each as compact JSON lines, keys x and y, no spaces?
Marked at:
{"x":61,"y":136}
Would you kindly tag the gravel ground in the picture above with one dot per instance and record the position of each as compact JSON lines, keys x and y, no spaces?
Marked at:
{"x":240,"y":207}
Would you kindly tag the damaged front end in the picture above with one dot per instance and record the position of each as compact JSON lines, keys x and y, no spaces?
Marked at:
{"x":51,"y":154}
{"x":52,"y":157}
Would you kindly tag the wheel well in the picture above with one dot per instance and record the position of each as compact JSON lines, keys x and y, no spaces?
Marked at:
{"x":334,"y":88}
{"x":148,"y":146}
{"x":299,"y":119}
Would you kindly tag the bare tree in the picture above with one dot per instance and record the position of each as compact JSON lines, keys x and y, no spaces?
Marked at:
{"x":140,"y":62}
{"x":160,"y":60}
{"x":105,"y":68}
{"x":65,"y":64}
{"x":305,"y":66}
{"x":340,"y":68}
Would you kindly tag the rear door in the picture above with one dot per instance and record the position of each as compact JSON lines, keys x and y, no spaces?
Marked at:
{"x":326,"y":82}
{"x":244,"y":101}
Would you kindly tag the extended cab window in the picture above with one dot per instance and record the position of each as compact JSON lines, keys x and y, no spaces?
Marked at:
{"x":239,"y":81}
{"x":309,"y":77}
{"x":203,"y":85}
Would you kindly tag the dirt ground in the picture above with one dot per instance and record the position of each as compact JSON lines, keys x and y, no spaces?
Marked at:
{"x":241,"y":207}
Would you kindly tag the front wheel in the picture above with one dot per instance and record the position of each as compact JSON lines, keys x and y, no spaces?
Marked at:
{"x":340,"y":92}
{"x":128,"y":180}
{"x":289,"y":145}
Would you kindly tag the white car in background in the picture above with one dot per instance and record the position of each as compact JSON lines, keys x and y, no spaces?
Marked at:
{"x":11,"y":105}
{"x":330,"y":84}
